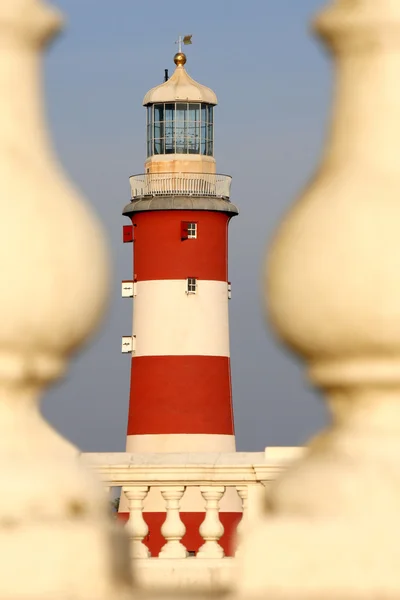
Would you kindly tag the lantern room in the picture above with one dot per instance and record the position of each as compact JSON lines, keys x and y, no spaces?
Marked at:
{"x":180,"y":124}
{"x":180,"y":128}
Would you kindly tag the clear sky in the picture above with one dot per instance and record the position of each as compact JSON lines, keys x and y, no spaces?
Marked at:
{"x":273,"y":84}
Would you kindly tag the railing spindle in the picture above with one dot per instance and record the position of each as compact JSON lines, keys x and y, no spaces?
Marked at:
{"x":211,"y":530}
{"x":173,"y":528}
{"x":136,"y":526}
{"x":243,"y":492}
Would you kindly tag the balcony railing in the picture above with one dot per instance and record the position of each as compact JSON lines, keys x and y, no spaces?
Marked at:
{"x":173,"y":474}
{"x":210,"y":185}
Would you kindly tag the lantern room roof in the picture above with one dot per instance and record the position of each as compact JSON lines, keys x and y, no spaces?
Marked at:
{"x":180,"y":87}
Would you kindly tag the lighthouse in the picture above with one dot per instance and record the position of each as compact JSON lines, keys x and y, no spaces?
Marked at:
{"x":180,"y":388}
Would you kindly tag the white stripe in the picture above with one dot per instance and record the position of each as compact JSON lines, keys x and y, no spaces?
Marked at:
{"x":169,"y":322}
{"x":181,"y":442}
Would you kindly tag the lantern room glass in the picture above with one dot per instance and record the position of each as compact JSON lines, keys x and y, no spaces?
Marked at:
{"x":180,"y":128}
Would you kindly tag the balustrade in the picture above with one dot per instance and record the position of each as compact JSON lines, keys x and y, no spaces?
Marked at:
{"x":173,"y":475}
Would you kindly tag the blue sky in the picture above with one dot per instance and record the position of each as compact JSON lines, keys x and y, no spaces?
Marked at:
{"x":273,"y":82}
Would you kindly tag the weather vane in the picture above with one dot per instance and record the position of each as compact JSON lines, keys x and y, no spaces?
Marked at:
{"x":186,"y":40}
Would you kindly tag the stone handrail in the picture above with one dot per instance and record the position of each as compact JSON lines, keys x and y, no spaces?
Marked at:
{"x":123,"y":468}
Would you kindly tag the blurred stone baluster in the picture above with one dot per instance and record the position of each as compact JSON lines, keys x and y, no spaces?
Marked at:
{"x":57,"y":537}
{"x":331,"y":528}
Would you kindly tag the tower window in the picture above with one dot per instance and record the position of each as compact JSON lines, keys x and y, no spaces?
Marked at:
{"x":191,"y":285}
{"x":192,"y":231}
{"x":188,"y":231}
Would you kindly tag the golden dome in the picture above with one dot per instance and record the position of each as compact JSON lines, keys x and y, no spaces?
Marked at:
{"x":180,"y":59}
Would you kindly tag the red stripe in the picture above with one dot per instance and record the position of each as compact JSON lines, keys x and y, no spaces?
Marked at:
{"x":160,"y":252}
{"x":180,"y":394}
{"x":192,"y":539}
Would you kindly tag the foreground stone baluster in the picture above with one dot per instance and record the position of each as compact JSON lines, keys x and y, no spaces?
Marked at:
{"x":243,"y":492}
{"x":211,"y":529}
{"x":136,"y":526}
{"x":57,"y":539}
{"x":173,"y":529}
{"x":332,"y":527}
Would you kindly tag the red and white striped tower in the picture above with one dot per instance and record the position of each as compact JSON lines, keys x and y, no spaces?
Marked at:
{"x":180,"y":395}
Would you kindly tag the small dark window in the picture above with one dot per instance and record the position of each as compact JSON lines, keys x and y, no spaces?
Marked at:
{"x":191,"y":285}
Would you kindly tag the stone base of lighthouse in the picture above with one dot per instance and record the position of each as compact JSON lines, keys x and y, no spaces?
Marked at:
{"x":192,"y":503}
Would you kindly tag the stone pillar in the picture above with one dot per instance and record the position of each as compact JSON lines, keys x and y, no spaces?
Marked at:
{"x":57,"y":537}
{"x":331,"y":528}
